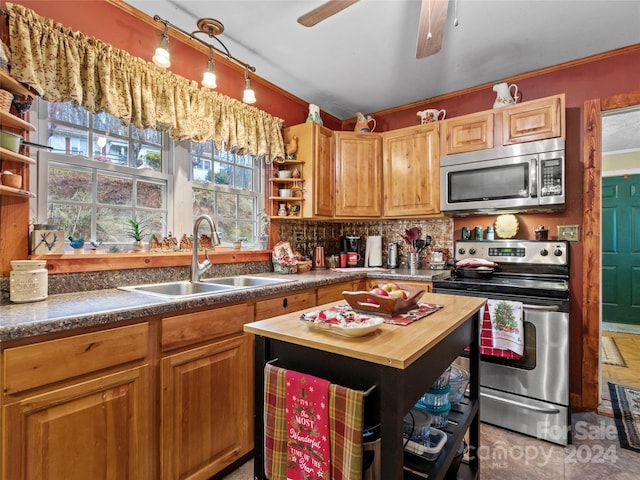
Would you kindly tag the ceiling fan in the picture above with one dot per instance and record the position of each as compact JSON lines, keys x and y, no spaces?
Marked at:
{"x":433,"y":17}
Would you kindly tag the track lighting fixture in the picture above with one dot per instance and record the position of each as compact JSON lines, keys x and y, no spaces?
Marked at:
{"x":210,"y":27}
{"x":249,"y":95}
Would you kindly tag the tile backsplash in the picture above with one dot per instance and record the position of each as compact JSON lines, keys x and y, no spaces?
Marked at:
{"x":327,"y":235}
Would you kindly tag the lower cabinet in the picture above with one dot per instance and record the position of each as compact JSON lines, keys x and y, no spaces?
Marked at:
{"x":206,"y":408}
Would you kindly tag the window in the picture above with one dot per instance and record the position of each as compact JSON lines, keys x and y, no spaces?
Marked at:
{"x":99,"y":173}
{"x":226,"y":187}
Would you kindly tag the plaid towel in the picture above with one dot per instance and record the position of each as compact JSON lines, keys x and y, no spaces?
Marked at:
{"x":275,"y":423}
{"x":346,"y":413}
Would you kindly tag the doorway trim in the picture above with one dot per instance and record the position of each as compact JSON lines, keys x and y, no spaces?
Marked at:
{"x":591,"y":261}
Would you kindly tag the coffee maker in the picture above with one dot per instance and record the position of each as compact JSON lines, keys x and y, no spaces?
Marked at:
{"x":350,"y":243}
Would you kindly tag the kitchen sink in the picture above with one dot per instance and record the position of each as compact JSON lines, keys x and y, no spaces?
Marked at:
{"x":243,"y":281}
{"x":182,"y":289}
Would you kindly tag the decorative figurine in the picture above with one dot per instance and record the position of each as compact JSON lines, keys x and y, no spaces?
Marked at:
{"x":314,"y":114}
{"x":291,"y":148}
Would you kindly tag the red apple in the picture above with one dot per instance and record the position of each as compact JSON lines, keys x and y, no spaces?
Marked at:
{"x":379,"y":291}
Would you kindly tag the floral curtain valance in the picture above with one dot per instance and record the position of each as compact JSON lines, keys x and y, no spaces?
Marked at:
{"x":62,"y":65}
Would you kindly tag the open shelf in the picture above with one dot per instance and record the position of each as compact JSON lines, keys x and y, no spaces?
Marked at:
{"x":15,"y":157}
{"x":460,"y":418}
{"x":9,"y":120}
{"x":7,"y":82}
{"x":15,"y":192}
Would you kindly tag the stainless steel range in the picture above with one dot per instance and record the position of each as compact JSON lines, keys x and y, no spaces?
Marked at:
{"x":527,"y":393}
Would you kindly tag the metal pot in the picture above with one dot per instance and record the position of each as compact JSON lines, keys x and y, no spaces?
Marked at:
{"x":474,"y":272}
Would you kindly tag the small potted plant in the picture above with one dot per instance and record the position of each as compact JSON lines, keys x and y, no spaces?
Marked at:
{"x":136,"y":231}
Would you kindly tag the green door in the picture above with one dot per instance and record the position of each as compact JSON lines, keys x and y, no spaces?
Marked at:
{"x":621,"y":249}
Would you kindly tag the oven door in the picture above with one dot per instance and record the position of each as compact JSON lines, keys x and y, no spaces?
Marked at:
{"x":543,"y":372}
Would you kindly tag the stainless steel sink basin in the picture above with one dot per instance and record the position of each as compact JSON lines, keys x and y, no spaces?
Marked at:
{"x":244,"y":281}
{"x":182,"y":289}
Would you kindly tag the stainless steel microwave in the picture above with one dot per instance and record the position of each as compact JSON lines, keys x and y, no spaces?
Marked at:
{"x":525,"y":176}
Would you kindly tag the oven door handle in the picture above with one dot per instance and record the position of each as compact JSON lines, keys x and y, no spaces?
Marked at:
{"x":519,"y":404}
{"x":546,"y":308}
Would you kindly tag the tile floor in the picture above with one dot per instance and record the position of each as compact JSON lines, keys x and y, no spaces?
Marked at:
{"x":594,"y":455}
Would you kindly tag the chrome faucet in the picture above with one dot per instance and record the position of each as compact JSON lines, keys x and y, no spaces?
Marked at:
{"x":197,"y":268}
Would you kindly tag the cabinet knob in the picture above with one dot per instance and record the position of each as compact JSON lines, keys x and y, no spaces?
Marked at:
{"x":285,"y":302}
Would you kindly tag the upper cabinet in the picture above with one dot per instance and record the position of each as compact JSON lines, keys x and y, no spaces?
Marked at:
{"x":534,"y":120}
{"x":312,"y":173}
{"x":467,"y":133}
{"x":411,"y":171}
{"x":358,"y":174}
{"x":523,"y":122}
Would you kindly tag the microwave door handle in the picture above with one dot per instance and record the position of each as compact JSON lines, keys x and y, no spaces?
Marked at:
{"x":533,"y":166}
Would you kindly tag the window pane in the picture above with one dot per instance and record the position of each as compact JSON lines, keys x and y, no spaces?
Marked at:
{"x":147,"y":135}
{"x":147,"y":156}
{"x":68,"y":140}
{"x":244,"y":160}
{"x":67,"y":183}
{"x":226,"y":205}
{"x":114,"y":190}
{"x":68,"y":113}
{"x":202,"y":149}
{"x":106,"y":122}
{"x":75,"y":220}
{"x":245,"y":232}
{"x":246,"y":207}
{"x":112,"y":224}
{"x":115,"y":150}
{"x":200,"y":169}
{"x":227,"y":230}
{"x":149,"y":194}
{"x":223,"y":173}
{"x":244,"y":179}
{"x":203,"y":203}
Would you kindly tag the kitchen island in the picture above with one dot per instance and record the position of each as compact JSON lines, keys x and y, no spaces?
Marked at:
{"x":400,"y":361}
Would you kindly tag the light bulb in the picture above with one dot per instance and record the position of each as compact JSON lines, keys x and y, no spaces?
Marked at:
{"x":162,"y":58}
{"x":209,"y":77}
{"x":249,"y":95}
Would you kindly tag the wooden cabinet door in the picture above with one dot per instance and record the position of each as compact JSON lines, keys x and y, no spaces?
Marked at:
{"x":358,"y":174}
{"x":99,"y":428}
{"x":534,"y":120}
{"x":206,"y":408}
{"x":411,"y":160}
{"x":467,"y":133}
{"x":316,"y":157}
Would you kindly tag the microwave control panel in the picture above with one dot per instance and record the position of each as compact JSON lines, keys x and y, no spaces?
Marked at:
{"x":551,"y":177}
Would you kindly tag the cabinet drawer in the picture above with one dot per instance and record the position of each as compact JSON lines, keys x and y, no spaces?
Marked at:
{"x":190,"y":328}
{"x":333,"y":293}
{"x":39,"y":364}
{"x":285,"y":304}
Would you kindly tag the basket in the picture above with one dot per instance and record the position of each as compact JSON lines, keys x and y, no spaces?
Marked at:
{"x":304,"y":266}
{"x":6,"y":98}
{"x":286,"y":269}
{"x":385,"y":306}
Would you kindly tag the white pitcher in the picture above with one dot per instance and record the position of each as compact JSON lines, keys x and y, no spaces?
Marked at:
{"x":504,"y":96}
{"x":314,"y":114}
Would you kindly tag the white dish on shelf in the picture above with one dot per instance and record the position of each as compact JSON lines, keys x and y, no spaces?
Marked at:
{"x":284,"y":173}
{"x":285,"y":192}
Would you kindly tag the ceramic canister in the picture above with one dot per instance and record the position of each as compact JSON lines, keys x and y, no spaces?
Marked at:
{"x":28,"y":281}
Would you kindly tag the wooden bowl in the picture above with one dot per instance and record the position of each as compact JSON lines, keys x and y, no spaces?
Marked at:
{"x":12,"y":180}
{"x":385,"y":306}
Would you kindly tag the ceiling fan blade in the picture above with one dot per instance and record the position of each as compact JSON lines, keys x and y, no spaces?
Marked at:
{"x":324,"y":11}
{"x":429,"y":46}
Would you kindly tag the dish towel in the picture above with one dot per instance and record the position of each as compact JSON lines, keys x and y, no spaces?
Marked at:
{"x":507,"y":329}
{"x":345,"y":417}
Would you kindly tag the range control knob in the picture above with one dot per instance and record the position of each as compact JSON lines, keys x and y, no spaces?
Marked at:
{"x":557,"y":252}
{"x":461,"y":251}
{"x":472,"y":251}
{"x":544,"y":252}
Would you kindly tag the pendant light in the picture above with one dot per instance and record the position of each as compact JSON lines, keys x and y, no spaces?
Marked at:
{"x":162,"y":57}
{"x":209,"y":76}
{"x":249,"y":95}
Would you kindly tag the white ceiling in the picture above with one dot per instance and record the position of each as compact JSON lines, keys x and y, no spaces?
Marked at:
{"x":363,"y":58}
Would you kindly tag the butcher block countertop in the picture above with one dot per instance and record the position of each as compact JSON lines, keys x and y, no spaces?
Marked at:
{"x":390,"y":345}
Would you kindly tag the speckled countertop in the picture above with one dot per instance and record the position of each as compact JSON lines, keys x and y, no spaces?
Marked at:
{"x":69,"y":311}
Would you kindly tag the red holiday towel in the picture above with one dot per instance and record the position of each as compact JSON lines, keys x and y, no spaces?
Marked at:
{"x":307,"y":401}
{"x":275,"y":423}
{"x":486,"y":339}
